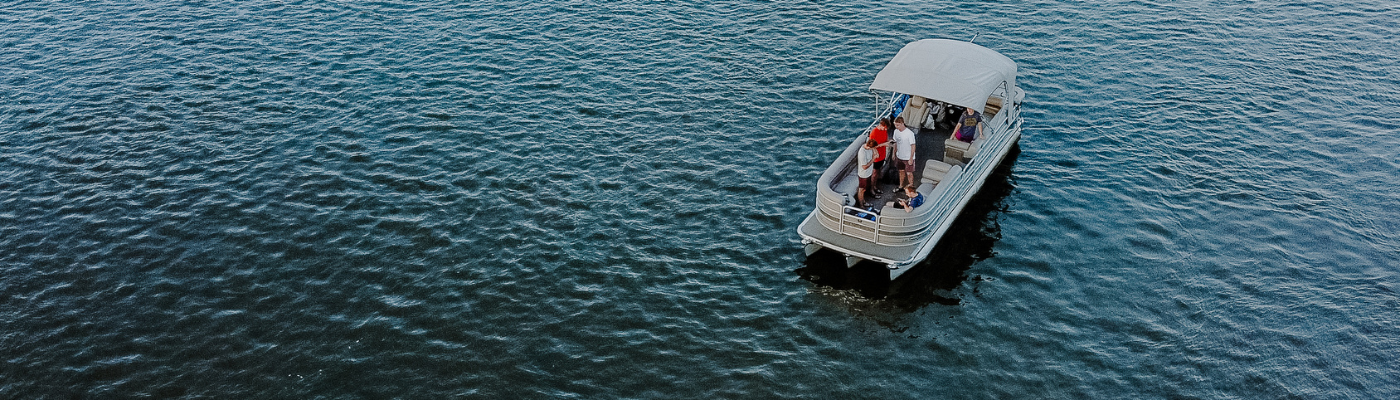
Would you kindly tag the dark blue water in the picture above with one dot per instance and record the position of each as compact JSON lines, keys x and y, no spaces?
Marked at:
{"x":504,"y":199}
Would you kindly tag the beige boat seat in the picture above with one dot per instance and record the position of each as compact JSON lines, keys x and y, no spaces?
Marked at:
{"x":915,"y":112}
{"x":926,"y":188}
{"x":957,"y":152}
{"x":933,"y":173}
{"x":993,"y":107}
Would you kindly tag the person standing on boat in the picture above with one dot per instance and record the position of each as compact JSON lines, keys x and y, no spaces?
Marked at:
{"x":904,"y":152}
{"x":881,"y":135}
{"x":969,"y":126}
{"x":866,"y":159}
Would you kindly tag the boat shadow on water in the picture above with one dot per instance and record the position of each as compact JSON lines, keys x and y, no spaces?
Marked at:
{"x":940,"y":278}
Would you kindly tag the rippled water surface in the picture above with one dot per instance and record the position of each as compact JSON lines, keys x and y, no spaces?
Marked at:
{"x":502,"y":199}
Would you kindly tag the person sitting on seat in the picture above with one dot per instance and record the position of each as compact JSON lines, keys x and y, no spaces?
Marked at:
{"x":915,"y":200}
{"x":969,"y":126}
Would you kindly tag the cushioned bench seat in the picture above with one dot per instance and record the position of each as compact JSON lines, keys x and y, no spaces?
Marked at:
{"x":934,"y":171}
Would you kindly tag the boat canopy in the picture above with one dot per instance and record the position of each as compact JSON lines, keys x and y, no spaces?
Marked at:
{"x":954,"y":72}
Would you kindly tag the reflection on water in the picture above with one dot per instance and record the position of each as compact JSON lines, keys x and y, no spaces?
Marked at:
{"x":938,"y":278}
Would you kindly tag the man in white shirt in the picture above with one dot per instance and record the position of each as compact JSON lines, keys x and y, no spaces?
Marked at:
{"x":865,"y":158}
{"x":904,"y":152}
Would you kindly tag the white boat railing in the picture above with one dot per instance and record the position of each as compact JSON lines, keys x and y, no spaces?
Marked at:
{"x":855,"y":212}
{"x":945,"y":199}
{"x":972,"y":175}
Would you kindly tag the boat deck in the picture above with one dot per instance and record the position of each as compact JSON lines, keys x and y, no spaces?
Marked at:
{"x":928,"y":146}
{"x":839,"y":241}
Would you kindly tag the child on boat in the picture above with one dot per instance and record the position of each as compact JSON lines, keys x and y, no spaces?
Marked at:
{"x":915,"y":199}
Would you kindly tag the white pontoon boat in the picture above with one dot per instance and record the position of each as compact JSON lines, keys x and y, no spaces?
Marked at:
{"x":928,"y":81}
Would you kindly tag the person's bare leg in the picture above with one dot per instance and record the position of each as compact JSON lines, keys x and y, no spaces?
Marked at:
{"x":901,"y":174}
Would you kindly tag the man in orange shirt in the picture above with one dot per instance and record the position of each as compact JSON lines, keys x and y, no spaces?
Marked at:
{"x":881,"y":135}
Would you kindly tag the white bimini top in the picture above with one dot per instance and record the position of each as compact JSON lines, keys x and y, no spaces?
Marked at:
{"x":954,"y":72}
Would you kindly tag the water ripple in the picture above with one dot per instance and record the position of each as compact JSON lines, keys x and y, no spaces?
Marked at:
{"x":534,"y":199}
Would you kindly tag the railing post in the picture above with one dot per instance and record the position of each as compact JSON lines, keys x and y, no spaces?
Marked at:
{"x":877,"y":229}
{"x":841,"y":218}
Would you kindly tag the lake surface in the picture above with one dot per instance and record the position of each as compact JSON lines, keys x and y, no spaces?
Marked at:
{"x":586,"y":199}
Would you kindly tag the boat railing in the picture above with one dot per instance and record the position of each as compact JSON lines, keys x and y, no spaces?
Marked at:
{"x":971,"y":177}
{"x":891,"y":228}
{"x":883,"y":229}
